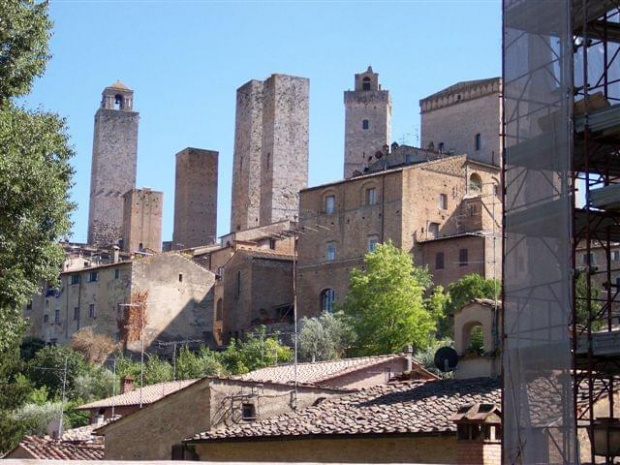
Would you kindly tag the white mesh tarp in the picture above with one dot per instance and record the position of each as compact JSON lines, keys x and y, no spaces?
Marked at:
{"x":537,"y":87}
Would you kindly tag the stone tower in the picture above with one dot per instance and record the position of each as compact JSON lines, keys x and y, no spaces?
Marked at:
{"x":271,"y":150}
{"x":368,"y":121}
{"x":142,"y":217}
{"x":115,"y":157}
{"x":195,"y":198}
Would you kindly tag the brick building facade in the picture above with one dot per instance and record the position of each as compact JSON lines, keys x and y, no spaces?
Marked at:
{"x":465,"y":118}
{"x":440,"y":211}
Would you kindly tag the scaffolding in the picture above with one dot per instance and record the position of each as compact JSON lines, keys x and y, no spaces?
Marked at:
{"x":561,"y":334}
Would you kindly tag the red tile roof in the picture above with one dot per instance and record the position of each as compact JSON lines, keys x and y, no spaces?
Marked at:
{"x":317,"y":372}
{"x":150,"y":394}
{"x":47,"y":449}
{"x":412,"y":407}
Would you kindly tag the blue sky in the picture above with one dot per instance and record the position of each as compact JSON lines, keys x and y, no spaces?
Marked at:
{"x":185,"y":60}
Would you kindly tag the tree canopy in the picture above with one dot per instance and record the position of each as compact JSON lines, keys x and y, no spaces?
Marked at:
{"x":35,"y":173}
{"x":325,"y":337}
{"x":385,"y":303}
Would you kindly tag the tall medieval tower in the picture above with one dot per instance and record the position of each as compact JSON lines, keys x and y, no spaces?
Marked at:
{"x":113,"y":172}
{"x":270,"y":164}
{"x":368,"y":121}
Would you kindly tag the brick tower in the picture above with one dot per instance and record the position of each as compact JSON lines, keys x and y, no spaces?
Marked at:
{"x":113,"y":172}
{"x":195,"y":198}
{"x":271,"y":150}
{"x":368,"y":121}
{"x":142,"y":217}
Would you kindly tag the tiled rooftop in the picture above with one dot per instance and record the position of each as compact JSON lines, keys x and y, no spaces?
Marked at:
{"x":150,"y":394}
{"x":317,"y":372}
{"x":47,"y":449}
{"x":412,"y":407}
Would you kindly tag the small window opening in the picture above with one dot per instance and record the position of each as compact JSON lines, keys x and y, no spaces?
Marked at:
{"x":331,"y":251}
{"x":248,"y":412}
{"x":433,"y":230}
{"x":475,"y":340}
{"x":328,"y":299}
{"x":366,"y":83}
{"x":330,"y":204}
{"x":475,"y":183}
{"x":238,"y":283}
{"x":272,"y":244}
{"x":118,"y":102}
{"x":477,"y":142}
{"x":439,"y":261}
{"x":443,"y":201}
{"x":76,"y":313}
{"x":180,"y":277}
{"x":371,"y":196}
{"x":365,"y":124}
{"x":372,"y":243}
{"x":440,"y":147}
{"x":92,"y":311}
{"x":117,"y":273}
{"x":463,"y":257}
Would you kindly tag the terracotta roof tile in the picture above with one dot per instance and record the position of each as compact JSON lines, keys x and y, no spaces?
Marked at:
{"x":47,"y":449}
{"x":317,"y":372}
{"x":150,"y":394}
{"x":412,"y":407}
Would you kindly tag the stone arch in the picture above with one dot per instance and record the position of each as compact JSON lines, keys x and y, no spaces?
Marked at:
{"x":366,"y":83}
{"x":475,"y":184}
{"x":477,"y":314}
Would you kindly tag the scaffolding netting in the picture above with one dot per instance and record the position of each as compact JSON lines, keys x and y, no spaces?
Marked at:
{"x":537,"y":87}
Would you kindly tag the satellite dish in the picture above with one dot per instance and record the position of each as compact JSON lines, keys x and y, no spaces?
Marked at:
{"x":53,"y":428}
{"x":446,"y":359}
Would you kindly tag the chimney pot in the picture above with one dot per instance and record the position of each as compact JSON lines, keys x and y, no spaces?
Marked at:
{"x":126,"y":384}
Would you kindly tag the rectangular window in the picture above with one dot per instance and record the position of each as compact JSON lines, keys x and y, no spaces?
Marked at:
{"x":75,"y":279}
{"x":57,"y":315}
{"x":365,"y":124}
{"x":477,"y":142}
{"x":371,"y":196}
{"x":585,"y":259}
{"x":439,"y":261}
{"x":331,"y":251}
{"x":433,"y":230}
{"x":248,"y":411}
{"x":372,"y":243}
{"x":76,"y":313}
{"x":238,"y":283}
{"x":330,"y":204}
{"x":615,"y":255}
{"x":272,"y":244}
{"x":443,"y":201}
{"x":92,"y":312}
{"x":46,"y":318}
{"x":463,"y":257}
{"x":93,"y":276}
{"x":117,"y":273}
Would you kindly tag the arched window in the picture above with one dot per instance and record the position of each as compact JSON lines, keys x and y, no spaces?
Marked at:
{"x":328,"y":298}
{"x":475,"y":183}
{"x":118,"y":102}
{"x":366,"y":83}
{"x":219,"y":310}
{"x":475,"y":339}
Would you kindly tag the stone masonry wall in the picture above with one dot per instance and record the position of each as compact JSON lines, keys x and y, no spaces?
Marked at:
{"x":245,"y":208}
{"x":284,"y":151}
{"x":271,"y":151}
{"x":375,"y":106}
{"x":440,"y":449}
{"x":453,"y":125}
{"x":142,"y":219}
{"x":113,"y":173}
{"x":195,"y":198}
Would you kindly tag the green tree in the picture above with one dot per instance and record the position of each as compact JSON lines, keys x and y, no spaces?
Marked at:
{"x":469,"y":287}
{"x":325,"y":337}
{"x":257,"y":352}
{"x":385,"y":303}
{"x":157,"y":370}
{"x":437,"y":304}
{"x":35,"y":173}
{"x":47,"y":369}
{"x":192,"y":365}
{"x":581,"y":302}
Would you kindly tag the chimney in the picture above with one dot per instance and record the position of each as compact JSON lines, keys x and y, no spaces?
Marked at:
{"x":126,"y":384}
{"x":115,"y":253}
{"x":409,"y":358}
